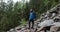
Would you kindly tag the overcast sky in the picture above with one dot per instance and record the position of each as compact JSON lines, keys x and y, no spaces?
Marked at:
{"x":15,"y":0}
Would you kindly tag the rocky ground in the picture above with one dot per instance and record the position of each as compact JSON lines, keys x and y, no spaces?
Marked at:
{"x":24,"y":28}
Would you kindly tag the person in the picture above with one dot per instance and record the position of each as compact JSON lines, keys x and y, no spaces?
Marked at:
{"x":32,"y":17}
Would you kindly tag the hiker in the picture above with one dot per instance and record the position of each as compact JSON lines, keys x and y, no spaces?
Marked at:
{"x":32,"y":17}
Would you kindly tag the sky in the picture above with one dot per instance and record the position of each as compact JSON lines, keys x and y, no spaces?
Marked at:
{"x":16,"y":1}
{"x":13,"y":0}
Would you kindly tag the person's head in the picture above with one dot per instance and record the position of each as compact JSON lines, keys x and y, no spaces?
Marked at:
{"x":31,"y":10}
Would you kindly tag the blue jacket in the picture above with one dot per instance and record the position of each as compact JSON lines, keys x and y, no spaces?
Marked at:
{"x":32,"y":16}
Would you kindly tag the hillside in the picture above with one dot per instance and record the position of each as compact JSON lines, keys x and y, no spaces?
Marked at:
{"x":24,"y":28}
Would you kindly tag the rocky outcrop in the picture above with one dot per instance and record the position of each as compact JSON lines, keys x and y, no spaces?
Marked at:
{"x":52,"y":13}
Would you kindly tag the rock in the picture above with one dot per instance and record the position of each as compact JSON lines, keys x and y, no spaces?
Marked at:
{"x":7,"y":31}
{"x":52,"y":13}
{"x":11,"y":29}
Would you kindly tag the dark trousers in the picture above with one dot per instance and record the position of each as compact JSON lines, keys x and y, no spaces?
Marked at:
{"x":31,"y":21}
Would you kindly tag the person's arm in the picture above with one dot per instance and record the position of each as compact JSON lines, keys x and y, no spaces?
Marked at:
{"x":34,"y":16}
